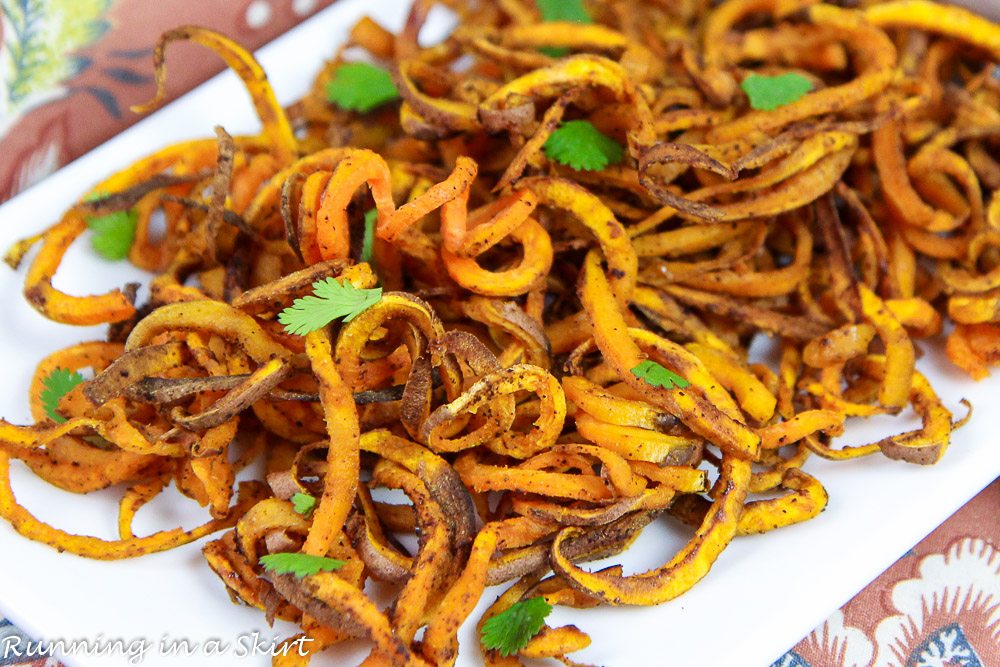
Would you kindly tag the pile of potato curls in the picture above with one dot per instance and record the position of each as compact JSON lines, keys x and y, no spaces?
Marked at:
{"x":492,"y":383}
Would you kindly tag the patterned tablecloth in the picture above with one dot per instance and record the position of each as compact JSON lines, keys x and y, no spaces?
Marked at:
{"x":937,"y":606}
{"x":70,"y":69}
{"x":69,"y":74}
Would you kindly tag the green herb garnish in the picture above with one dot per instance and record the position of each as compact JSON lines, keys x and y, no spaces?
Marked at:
{"x":329,"y":301}
{"x":580,"y":145}
{"x":368,"y":242}
{"x":658,"y":376}
{"x":301,"y":565}
{"x":554,"y":51}
{"x":361,"y":87}
{"x":767,"y":93}
{"x":111,"y":234}
{"x":56,"y":385}
{"x":303,"y":503}
{"x":563,"y":10}
{"x":510,"y":631}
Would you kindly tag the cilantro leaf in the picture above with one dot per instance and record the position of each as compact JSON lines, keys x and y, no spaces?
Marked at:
{"x":767,"y":93}
{"x":57,"y":384}
{"x":330,"y":300}
{"x":111,"y":234}
{"x":554,"y":51}
{"x":303,"y":503}
{"x":580,"y":145}
{"x":301,"y":565}
{"x":361,"y":87}
{"x":368,"y":243}
{"x":510,"y":631}
{"x":563,"y":10}
{"x":658,"y":376}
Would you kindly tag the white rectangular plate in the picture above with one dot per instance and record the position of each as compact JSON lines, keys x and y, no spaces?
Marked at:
{"x":763,"y":595}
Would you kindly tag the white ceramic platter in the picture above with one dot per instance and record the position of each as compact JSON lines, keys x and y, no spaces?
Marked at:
{"x":763,"y":595}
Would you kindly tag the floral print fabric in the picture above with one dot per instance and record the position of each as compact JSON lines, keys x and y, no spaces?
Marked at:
{"x":937,"y":606}
{"x":70,"y":69}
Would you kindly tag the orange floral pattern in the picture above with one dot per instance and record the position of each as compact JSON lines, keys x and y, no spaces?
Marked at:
{"x":937,"y":606}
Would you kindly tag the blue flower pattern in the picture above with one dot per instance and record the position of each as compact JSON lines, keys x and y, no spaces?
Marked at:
{"x":945,"y":647}
{"x":7,"y":631}
{"x":791,"y":659}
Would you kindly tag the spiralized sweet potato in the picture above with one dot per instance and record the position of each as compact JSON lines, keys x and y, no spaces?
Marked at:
{"x":557,"y":356}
